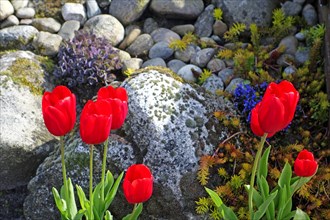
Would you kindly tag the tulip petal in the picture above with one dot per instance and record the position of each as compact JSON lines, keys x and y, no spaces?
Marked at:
{"x":254,"y":124}
{"x":53,"y":119}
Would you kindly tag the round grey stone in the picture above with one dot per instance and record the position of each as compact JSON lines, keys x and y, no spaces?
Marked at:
{"x":219,"y":28}
{"x":149,"y":25}
{"x":204,"y":23}
{"x":46,"y":24}
{"x":17,"y":4}
{"x":46,"y":43}
{"x":132,"y":34}
{"x":187,"y":74}
{"x":141,"y":46}
{"x":302,"y":56}
{"x":300,"y":36}
{"x":92,"y":8}
{"x":290,"y":43}
{"x":186,"y":54}
{"x":291,"y":8}
{"x":175,"y":65}
{"x":310,"y":15}
{"x":74,"y":11}
{"x":26,"y":21}
{"x":6,"y":9}
{"x":17,"y":37}
{"x":68,"y":28}
{"x":10,"y":21}
{"x":226,"y":75}
{"x":233,"y":85}
{"x":106,"y":26}
{"x":25,"y":13}
{"x":164,"y":34}
{"x":123,"y":55}
{"x":289,"y":70}
{"x":299,"y":1}
{"x":133,"y":63}
{"x":213,"y":84}
{"x":160,"y":50}
{"x":127,"y":11}
{"x":215,"y":65}
{"x":201,"y":58}
{"x":154,"y":62}
{"x":183,"y":29}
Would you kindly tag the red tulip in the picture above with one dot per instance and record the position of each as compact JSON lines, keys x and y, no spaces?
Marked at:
{"x":305,"y":165}
{"x":59,"y":110}
{"x":118,"y":99}
{"x":138,"y":184}
{"x":276,"y":109}
{"x":95,"y":121}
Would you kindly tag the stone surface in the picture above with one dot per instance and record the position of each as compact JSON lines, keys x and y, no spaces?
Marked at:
{"x":68,"y":28}
{"x":233,"y":85}
{"x":154,"y":62}
{"x":25,"y":13}
{"x":204,"y":23}
{"x":175,"y":118}
{"x":11,"y":20}
{"x":74,"y":11}
{"x":302,"y":56}
{"x":290,"y":43}
{"x":164,"y":34}
{"x":291,"y":8}
{"x":141,"y":46}
{"x":201,"y":58}
{"x":310,"y":15}
{"x":92,"y":8}
{"x":133,"y":63}
{"x":131,"y":36}
{"x":215,"y":65}
{"x":6,"y":9}
{"x":175,"y":65}
{"x":46,"y":24}
{"x":247,"y":11}
{"x":189,"y":72}
{"x":19,"y":4}
{"x":149,"y":25}
{"x":213,"y":84}
{"x":17,"y":37}
{"x":226,"y":75}
{"x":219,"y":28}
{"x":186,"y":54}
{"x":178,"y":9}
{"x":127,"y":11}
{"x":160,"y":50}
{"x":183,"y":29}
{"x":46,"y":43}
{"x":24,"y":140}
{"x":106,"y":26}
{"x":39,"y":204}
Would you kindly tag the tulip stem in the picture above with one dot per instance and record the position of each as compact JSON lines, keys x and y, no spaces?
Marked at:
{"x":254,"y":169}
{"x":64,"y":169}
{"x":91,"y":180}
{"x":104,"y":163}
{"x":135,"y":205}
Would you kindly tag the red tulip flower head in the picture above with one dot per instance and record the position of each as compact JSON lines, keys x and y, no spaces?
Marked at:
{"x":305,"y":165}
{"x":276,"y":109}
{"x":95,"y":121}
{"x":59,"y":110}
{"x":138,"y":184}
{"x":118,"y":99}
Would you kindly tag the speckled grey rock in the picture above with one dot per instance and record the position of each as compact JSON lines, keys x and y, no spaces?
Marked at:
{"x":289,"y":70}
{"x":291,"y":8}
{"x":164,"y":34}
{"x":175,"y":65}
{"x":6,"y":9}
{"x":219,"y":28}
{"x":160,"y":50}
{"x":204,"y":23}
{"x":310,"y":15}
{"x":177,"y":130}
{"x":133,"y":64}
{"x":183,"y":29}
{"x":68,"y":28}
{"x":92,"y":8}
{"x":188,"y":72}
{"x":106,"y":26}
{"x":186,"y":54}
{"x":141,"y":46}
{"x":127,"y":11}
{"x":46,"y":43}
{"x":213,"y":84}
{"x":233,"y":85}
{"x":11,"y":20}
{"x":215,"y":65}
{"x":39,"y":204}
{"x":24,"y":140}
{"x":154,"y":62}
{"x":178,"y":9}
{"x":290,"y":43}
{"x":17,"y":37}
{"x":17,"y":4}
{"x":25,"y":13}
{"x":46,"y":24}
{"x":247,"y":11}
{"x":131,"y":35}
{"x":300,"y":36}
{"x":74,"y":11}
{"x":149,"y":25}
{"x":226,"y":75}
{"x":302,"y":56}
{"x":201,"y":58}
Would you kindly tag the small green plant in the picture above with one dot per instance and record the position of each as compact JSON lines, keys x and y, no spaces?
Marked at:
{"x":204,"y":76}
{"x":255,"y":37}
{"x":217,"y":14}
{"x":282,"y":24}
{"x":314,"y":33}
{"x":188,"y":38}
{"x":234,"y":31}
{"x":320,"y":107}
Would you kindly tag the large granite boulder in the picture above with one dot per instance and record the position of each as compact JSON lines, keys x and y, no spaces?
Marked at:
{"x":17,"y":37}
{"x":247,"y":11}
{"x":25,"y":141}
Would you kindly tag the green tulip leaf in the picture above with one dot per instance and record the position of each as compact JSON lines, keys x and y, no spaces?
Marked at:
{"x":82,"y":197}
{"x":264,"y":187}
{"x":264,"y":206}
{"x":285,"y":177}
{"x":285,"y":202}
{"x":112,"y":193}
{"x":263,"y":164}
{"x":98,"y":204}
{"x":108,"y":216}
{"x":79,"y":215}
{"x":228,"y":213}
{"x":299,"y":183}
{"x":109,"y":180}
{"x":256,"y":197}
{"x":300,"y":215}
{"x":72,"y":206}
{"x":60,"y":203}
{"x":216,"y":199}
{"x":135,"y":214}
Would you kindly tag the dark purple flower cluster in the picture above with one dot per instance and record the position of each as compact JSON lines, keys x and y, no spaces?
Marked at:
{"x":247,"y":96}
{"x":87,"y":60}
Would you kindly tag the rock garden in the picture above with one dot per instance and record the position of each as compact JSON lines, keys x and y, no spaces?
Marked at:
{"x":197,"y":76}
